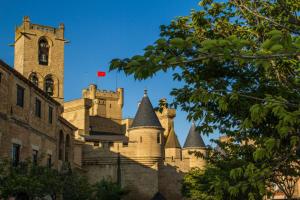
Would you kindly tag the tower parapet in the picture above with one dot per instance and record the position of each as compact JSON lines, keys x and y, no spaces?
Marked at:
{"x":27,"y":27}
{"x":105,"y":103}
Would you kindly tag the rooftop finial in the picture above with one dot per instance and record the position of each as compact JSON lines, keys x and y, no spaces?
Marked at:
{"x":26,"y":19}
{"x":145,"y":92}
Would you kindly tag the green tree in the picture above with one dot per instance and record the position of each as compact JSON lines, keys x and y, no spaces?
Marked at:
{"x":105,"y":190}
{"x":239,"y":62}
{"x":74,"y":185}
{"x":28,"y":180}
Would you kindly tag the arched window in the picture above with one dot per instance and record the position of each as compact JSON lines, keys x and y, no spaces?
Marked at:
{"x":67,"y":148}
{"x":61,"y":145}
{"x":43,"y":51}
{"x":34,"y":79}
{"x":49,"y":85}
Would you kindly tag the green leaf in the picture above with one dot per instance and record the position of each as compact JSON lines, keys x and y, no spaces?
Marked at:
{"x":177,"y":42}
{"x":270,"y":143}
{"x":276,"y":47}
{"x":259,"y":154}
{"x":294,"y":140}
{"x":161,"y":42}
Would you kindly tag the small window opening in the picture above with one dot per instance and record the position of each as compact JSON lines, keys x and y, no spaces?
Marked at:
{"x":34,"y":157}
{"x":20,"y":96}
{"x":96,"y":144}
{"x":16,"y":154}
{"x":158,"y":138}
{"x":38,"y":108}
{"x":49,"y":161}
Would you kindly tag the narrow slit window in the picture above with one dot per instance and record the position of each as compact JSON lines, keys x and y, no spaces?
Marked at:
{"x":38,"y":108}
{"x":49,"y":161}
{"x":16,"y":154}
{"x":50,"y":115}
{"x":158,"y":138}
{"x":35,"y":157}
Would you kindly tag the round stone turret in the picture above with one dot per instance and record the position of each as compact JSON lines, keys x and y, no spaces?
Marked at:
{"x":146,"y":130}
{"x":194,"y":139}
{"x":194,"y":143}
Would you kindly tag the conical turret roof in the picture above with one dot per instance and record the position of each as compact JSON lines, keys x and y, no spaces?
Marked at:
{"x":172,"y":140}
{"x":145,"y":116}
{"x":194,"y":139}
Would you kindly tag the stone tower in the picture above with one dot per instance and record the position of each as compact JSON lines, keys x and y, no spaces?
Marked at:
{"x":105,"y":104}
{"x":146,"y":130}
{"x":194,"y":143}
{"x":39,"y":56}
{"x":146,"y":134}
{"x":166,"y":118}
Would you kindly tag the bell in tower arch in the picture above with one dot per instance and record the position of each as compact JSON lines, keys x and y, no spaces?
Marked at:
{"x":43,"y":51}
{"x":49,"y":85}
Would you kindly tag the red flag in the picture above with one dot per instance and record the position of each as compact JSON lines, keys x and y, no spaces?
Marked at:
{"x":100,"y":74}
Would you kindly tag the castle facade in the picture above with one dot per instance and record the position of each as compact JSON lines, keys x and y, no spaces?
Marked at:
{"x":142,"y":154}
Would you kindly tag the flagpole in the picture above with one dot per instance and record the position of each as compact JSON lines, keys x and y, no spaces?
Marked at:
{"x":116,"y":81}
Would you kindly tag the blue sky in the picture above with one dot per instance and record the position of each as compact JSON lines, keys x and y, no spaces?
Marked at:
{"x":99,"y":31}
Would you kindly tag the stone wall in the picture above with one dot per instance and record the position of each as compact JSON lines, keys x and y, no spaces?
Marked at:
{"x":77,"y":113}
{"x":139,"y":175}
{"x":20,"y":124}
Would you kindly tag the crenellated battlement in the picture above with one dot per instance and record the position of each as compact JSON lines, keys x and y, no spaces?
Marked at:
{"x":93,"y":92}
{"x":28,"y":28}
{"x":107,"y":94}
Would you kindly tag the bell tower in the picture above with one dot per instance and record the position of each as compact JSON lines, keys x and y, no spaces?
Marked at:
{"x":39,"y":56}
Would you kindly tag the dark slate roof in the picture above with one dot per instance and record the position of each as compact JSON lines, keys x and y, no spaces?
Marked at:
{"x":145,"y":116}
{"x":172,"y":141}
{"x":158,"y":196}
{"x":194,"y":138}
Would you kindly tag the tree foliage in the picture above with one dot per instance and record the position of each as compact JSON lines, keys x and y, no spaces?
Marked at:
{"x":239,"y":62}
{"x":74,"y":185}
{"x":28,"y":181}
{"x":106,"y":189}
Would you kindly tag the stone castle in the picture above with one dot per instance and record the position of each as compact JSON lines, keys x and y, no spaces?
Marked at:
{"x":141,"y":154}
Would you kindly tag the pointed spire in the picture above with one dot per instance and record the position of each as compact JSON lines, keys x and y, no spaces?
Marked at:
{"x":145,"y":116}
{"x":172,"y":141}
{"x":193,"y":139}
